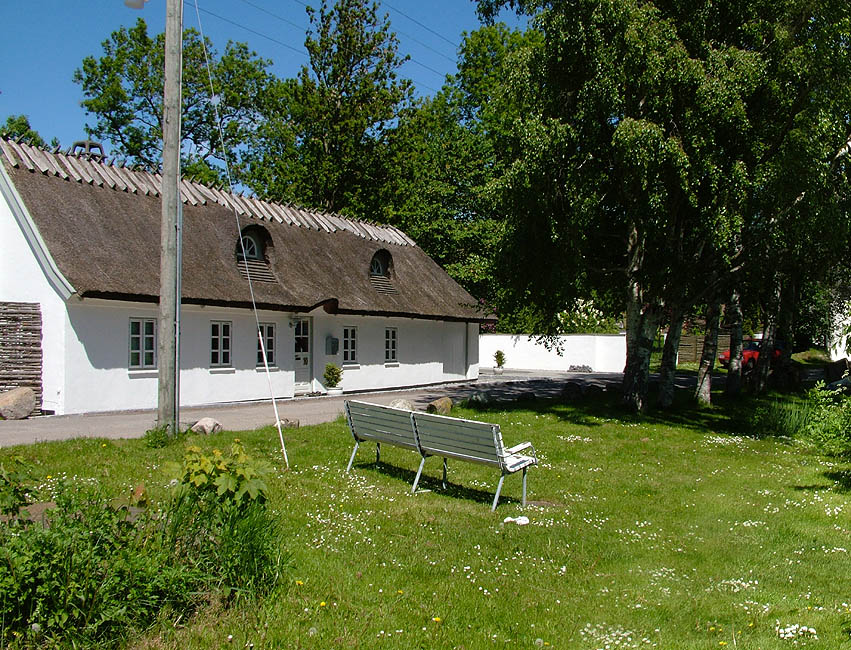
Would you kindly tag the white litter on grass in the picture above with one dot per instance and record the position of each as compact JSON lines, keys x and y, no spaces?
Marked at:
{"x":520,"y":521}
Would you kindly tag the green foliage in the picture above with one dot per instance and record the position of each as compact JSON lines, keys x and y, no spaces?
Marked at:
{"x":18,"y":127}
{"x":233,"y":478}
{"x":123,"y":91}
{"x":829,"y":422}
{"x":159,"y":437}
{"x":333,"y":375}
{"x":499,"y":358}
{"x":13,"y":493}
{"x":323,"y":140}
{"x":87,"y":576}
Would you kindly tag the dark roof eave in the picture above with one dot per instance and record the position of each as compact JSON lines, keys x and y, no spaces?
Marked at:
{"x":329,"y":304}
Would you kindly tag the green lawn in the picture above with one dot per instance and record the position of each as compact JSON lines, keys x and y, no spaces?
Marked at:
{"x":668,"y":532}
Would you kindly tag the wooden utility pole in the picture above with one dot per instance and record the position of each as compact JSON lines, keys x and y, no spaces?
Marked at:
{"x":168,"y":359}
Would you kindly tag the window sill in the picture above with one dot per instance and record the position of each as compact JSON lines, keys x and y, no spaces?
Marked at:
{"x":351,"y":366}
{"x":222,"y":370}
{"x":391,"y":364}
{"x":142,"y":373}
{"x":271,"y":369}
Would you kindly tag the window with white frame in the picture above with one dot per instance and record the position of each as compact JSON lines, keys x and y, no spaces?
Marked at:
{"x":390,"y":341}
{"x":220,"y":337}
{"x":143,"y":343}
{"x":267,"y":333}
{"x":350,"y":345}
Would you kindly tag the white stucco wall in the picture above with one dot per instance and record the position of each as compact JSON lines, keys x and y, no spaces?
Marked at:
{"x":97,"y":345}
{"x":602,"y":352}
{"x":24,"y":279}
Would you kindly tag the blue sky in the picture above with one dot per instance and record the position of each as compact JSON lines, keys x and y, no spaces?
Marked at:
{"x":44,"y":41}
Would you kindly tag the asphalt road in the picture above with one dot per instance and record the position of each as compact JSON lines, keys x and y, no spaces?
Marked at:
{"x":307,"y":410}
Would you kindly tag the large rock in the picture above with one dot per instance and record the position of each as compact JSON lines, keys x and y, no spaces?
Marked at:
{"x":206,"y":426}
{"x":479,"y":398}
{"x":401,"y":403}
{"x":17,"y":403}
{"x":441,"y":406}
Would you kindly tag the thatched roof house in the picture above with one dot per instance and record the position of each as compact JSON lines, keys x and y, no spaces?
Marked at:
{"x":93,"y":232}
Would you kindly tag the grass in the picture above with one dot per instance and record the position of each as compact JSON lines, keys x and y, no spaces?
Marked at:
{"x":674,"y":531}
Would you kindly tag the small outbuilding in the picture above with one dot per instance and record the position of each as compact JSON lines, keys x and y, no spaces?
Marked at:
{"x":79,"y":284}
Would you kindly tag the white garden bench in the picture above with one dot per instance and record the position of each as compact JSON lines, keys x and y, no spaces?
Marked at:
{"x":438,"y":435}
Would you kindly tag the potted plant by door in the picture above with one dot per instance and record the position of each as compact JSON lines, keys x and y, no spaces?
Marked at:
{"x":499,"y":359}
{"x":332,"y":376}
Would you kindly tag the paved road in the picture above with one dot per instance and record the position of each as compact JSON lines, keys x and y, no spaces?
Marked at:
{"x":307,"y":410}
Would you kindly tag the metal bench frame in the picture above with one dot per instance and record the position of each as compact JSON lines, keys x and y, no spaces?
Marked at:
{"x":438,"y":435}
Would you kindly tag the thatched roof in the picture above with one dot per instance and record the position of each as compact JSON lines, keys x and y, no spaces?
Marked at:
{"x":101,"y":222}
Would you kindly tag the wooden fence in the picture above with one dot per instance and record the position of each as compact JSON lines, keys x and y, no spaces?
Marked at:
{"x":691,"y":347}
{"x":20,"y":347}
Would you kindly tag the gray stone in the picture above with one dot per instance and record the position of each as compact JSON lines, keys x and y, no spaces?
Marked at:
{"x":401,"y":403}
{"x":527,"y":396}
{"x":479,"y":398}
{"x":572,"y":391}
{"x":441,"y":406}
{"x":206,"y":426}
{"x":17,"y":403}
{"x":288,"y":424}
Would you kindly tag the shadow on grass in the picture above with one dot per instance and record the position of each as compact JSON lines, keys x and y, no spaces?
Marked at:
{"x":434,"y":483}
{"x":841,"y":480}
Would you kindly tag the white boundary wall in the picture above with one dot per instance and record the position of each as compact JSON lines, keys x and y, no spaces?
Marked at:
{"x":837,"y":344}
{"x":602,"y":352}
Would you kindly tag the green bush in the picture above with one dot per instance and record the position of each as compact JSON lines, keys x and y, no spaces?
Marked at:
{"x":333,"y":375}
{"x":781,"y":418}
{"x":13,"y":494}
{"x":829,"y":423}
{"x":93,"y":571}
{"x":86,"y":576}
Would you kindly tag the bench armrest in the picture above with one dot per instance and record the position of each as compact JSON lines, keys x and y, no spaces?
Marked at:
{"x":518,"y":448}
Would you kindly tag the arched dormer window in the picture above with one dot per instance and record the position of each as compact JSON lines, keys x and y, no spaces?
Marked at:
{"x":252,"y":254}
{"x":381,"y":272}
{"x":250,"y":248}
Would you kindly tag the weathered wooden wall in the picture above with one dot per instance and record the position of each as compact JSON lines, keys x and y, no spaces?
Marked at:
{"x":20,"y":347}
{"x":691,"y":347}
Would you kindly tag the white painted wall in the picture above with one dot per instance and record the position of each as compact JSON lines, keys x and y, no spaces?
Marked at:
{"x":97,"y":345}
{"x":428,"y":351}
{"x":23,"y":279}
{"x":602,"y":352}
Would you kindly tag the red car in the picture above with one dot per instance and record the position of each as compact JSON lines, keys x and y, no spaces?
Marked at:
{"x":750,"y":355}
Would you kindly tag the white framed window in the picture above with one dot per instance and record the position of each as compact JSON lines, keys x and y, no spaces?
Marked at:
{"x":350,"y":345}
{"x":220,"y":337}
{"x":267,"y":333}
{"x":390,"y":342}
{"x":143,"y":343}
{"x":251,"y":248}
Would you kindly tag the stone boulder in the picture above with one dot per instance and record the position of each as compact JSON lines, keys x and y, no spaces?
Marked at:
{"x":479,"y":398}
{"x":206,"y":426}
{"x":441,"y":406}
{"x":401,"y":403}
{"x":17,"y":403}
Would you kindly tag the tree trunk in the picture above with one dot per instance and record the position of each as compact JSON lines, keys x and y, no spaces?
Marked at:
{"x":642,"y":321}
{"x":703,"y":392}
{"x":668,"y":370}
{"x":769,"y":336}
{"x":734,"y":370}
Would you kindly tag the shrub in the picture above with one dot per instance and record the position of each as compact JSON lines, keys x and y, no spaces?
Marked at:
{"x":87,"y":576}
{"x":332,"y":375}
{"x":499,"y":358}
{"x":13,"y":494}
{"x":829,"y":424}
{"x":781,"y":418}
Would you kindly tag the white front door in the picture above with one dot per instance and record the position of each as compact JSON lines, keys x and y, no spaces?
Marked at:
{"x":303,"y":366}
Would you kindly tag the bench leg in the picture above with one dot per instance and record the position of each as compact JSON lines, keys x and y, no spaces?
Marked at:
{"x":524,"y":487}
{"x":444,"y":473}
{"x":377,"y":453}
{"x":352,"y":459}
{"x":419,"y":472}
{"x":498,"y":490}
